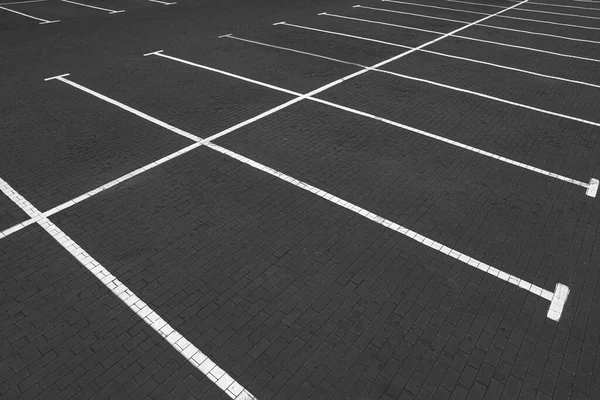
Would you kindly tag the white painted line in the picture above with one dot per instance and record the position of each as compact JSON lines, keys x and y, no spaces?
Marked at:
{"x":160,"y":54}
{"x":44,"y":21}
{"x":152,"y":53}
{"x":16,"y":228}
{"x":21,"y":2}
{"x":162,"y":2}
{"x":592,"y":188}
{"x":558,"y":5}
{"x":498,"y":99}
{"x":410,"y":51}
{"x":463,"y":37}
{"x":125,"y":107}
{"x":135,"y":304}
{"x":589,"y":1}
{"x":97,"y":8}
{"x":385,"y":120}
{"x":56,"y":77}
{"x":455,"y":143}
{"x":499,"y":16}
{"x":484,"y":25}
{"x":444,"y":55}
{"x":560,"y":295}
{"x":230,"y":36}
{"x":525,"y":9}
{"x":559,"y":298}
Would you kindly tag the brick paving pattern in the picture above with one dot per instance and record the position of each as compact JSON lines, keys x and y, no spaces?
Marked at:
{"x":290,"y":294}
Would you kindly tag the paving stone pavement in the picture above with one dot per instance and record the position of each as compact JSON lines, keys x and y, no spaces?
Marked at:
{"x":291,"y":294}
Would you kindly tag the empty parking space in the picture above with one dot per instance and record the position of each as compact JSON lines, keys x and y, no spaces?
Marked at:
{"x":528,"y":137}
{"x":74,"y":144}
{"x":292,"y":71}
{"x":547,"y":64}
{"x":415,"y":181}
{"x":199,"y":102}
{"x":318,"y":42}
{"x":544,"y":95}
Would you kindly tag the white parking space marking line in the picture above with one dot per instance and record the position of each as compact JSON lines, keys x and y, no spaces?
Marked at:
{"x":471,"y":92}
{"x":559,"y":297}
{"x":44,"y":21}
{"x":87,"y":195}
{"x":195,"y":356}
{"x":162,"y":2}
{"x":397,"y":57}
{"x":97,"y":8}
{"x":134,"y":303}
{"x":161,"y":54}
{"x":557,"y":5}
{"x":231,"y":36}
{"x":499,"y":16}
{"x":484,"y":25}
{"x":589,"y":1}
{"x":525,"y":9}
{"x":385,"y":120}
{"x":370,"y":21}
{"x":443,"y":55}
{"x":16,"y":228}
{"x":21,"y":2}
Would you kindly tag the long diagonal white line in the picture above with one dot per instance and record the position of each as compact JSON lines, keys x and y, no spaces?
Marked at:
{"x":484,"y":25}
{"x":199,"y":142}
{"x":557,"y":298}
{"x":370,"y":21}
{"x":21,"y":2}
{"x":499,"y":16}
{"x":440,"y":54}
{"x":44,"y":21}
{"x":483,"y":95}
{"x":183,"y":346}
{"x":97,"y":8}
{"x":525,"y":9}
{"x":589,"y":192}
